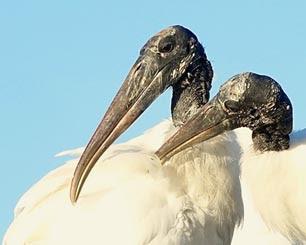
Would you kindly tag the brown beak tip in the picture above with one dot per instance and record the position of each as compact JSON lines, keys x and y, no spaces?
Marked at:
{"x":73,"y":192}
{"x":162,"y":162}
{"x":72,"y":200}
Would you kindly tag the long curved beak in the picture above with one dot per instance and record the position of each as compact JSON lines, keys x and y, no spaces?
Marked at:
{"x":141,"y":87}
{"x":210,"y":121}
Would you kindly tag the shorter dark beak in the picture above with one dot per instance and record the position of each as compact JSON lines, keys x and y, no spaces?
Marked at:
{"x":210,"y":121}
{"x":141,"y":87}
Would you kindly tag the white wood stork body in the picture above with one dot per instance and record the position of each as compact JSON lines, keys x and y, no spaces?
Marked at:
{"x":44,"y":215}
{"x":254,"y":231}
{"x":277,"y":183}
{"x":131,"y":199}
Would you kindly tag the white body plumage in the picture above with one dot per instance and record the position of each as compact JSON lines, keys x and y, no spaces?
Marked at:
{"x":130,"y":199}
{"x":276,"y":181}
{"x":128,"y":185}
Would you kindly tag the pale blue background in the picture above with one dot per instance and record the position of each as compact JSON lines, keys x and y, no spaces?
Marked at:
{"x":61,"y":63}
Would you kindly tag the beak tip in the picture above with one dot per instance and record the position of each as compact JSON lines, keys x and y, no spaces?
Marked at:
{"x":162,"y":161}
{"x":73,"y":193}
{"x":164,"y":153}
{"x":72,"y":200}
{"x":161,"y":158}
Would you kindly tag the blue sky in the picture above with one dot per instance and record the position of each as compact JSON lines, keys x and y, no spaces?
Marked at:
{"x":61,"y":63}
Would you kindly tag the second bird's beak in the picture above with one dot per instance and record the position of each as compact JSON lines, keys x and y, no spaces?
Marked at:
{"x":210,"y":121}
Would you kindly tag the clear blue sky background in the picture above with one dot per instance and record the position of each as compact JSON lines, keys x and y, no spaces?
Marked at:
{"x":61,"y":63}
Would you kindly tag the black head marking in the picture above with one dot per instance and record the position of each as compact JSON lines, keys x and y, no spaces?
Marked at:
{"x":175,"y":58}
{"x":190,"y":90}
{"x":259,"y":102}
{"x":191,"y":93}
{"x":170,"y":42}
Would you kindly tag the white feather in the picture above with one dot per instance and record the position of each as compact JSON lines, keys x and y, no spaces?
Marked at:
{"x":130,"y":199}
{"x":277,"y":183}
{"x":144,"y":204}
{"x":253,"y":230}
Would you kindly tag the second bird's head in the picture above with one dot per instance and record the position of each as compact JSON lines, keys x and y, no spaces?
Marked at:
{"x":246,"y":100}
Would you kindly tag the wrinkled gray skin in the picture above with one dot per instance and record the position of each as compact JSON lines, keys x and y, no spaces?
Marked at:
{"x":173,"y":57}
{"x":191,"y":92}
{"x":259,"y":103}
{"x":246,"y":100}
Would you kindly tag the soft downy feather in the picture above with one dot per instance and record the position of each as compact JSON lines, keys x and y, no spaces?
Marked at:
{"x":130,"y":199}
{"x":61,"y":177}
{"x":276,"y":181}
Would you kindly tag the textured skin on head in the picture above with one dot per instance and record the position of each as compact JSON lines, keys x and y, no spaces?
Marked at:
{"x":191,"y":93}
{"x":260,"y":104}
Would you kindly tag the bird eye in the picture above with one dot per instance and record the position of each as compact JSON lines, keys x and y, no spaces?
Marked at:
{"x":166,"y":45}
{"x":232,"y":105}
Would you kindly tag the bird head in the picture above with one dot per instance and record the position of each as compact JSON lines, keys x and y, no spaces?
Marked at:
{"x":172,"y":56}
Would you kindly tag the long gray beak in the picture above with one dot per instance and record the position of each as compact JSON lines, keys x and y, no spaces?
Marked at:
{"x":210,"y":121}
{"x":141,"y":87}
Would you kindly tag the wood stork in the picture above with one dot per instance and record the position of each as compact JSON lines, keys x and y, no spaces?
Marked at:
{"x":274,"y":168}
{"x":130,"y":198}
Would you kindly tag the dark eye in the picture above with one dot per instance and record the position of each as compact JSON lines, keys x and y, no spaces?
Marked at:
{"x":166,"y":45}
{"x":232,"y":105}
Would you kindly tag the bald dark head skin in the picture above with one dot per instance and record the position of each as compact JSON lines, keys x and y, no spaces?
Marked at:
{"x":259,"y":103}
{"x":173,"y":57}
{"x":191,"y":92}
{"x":245,"y":100}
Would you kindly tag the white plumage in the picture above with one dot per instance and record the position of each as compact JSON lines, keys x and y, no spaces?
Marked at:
{"x":130,"y":199}
{"x":277,"y":183}
{"x":44,"y":214}
{"x":254,"y":231}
